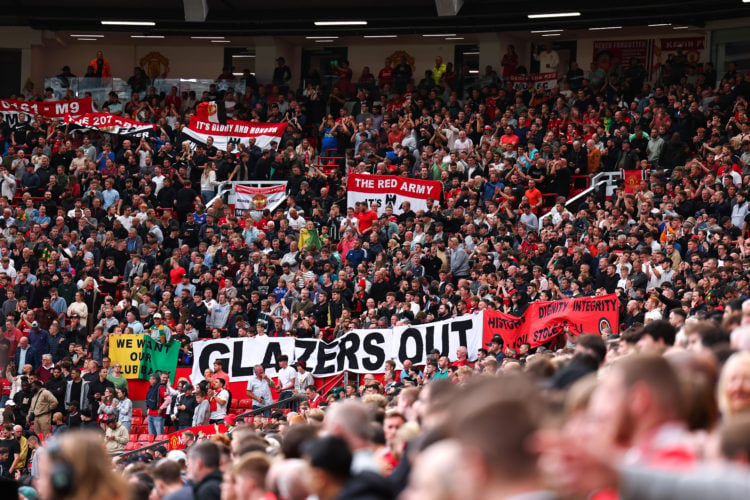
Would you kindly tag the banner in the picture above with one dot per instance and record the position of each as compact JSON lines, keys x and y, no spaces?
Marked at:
{"x":694,"y":49}
{"x":543,"y":321}
{"x":633,"y":179}
{"x":256,"y":199}
{"x":127,"y":350}
{"x":391,"y":190}
{"x":609,"y":52}
{"x":358,"y":351}
{"x":177,"y":441}
{"x":159,"y":357}
{"x":110,"y":124}
{"x":534,"y":81}
{"x":235,"y":132}
{"x":11,"y":109}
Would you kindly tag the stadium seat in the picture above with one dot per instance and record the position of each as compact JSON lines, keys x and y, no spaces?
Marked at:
{"x":136,"y":421}
{"x":161,"y":437}
{"x":246,"y":403}
{"x":146,"y":438}
{"x":137,"y":412}
{"x":131,"y":446}
{"x":133,"y":438}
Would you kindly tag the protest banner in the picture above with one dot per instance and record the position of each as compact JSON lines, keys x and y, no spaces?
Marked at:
{"x":127,"y":350}
{"x":358,"y":351}
{"x":534,"y":81}
{"x":109,"y":124}
{"x":543,"y":321}
{"x":235,"y":132}
{"x":158,"y":357}
{"x":48,"y":109}
{"x":391,"y":190}
{"x":608,"y":53}
{"x":256,"y":199}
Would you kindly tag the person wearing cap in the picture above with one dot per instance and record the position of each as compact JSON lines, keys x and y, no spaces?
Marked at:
{"x":159,"y":331}
{"x":185,"y":405}
{"x":39,"y":338}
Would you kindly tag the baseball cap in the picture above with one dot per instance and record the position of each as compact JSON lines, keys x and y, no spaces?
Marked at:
{"x":34,"y":324}
{"x":157,"y":316}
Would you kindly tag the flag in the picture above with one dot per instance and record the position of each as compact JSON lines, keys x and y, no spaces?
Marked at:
{"x":159,"y":357}
{"x":309,"y":237}
{"x":212,"y":111}
{"x":633,"y":179}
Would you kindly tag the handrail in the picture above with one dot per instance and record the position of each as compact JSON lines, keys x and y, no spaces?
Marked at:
{"x":602,"y":178}
{"x":148,"y":446}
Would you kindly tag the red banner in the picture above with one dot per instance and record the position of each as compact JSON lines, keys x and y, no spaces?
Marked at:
{"x":633,"y":179}
{"x":543,"y":321}
{"x":48,"y":109}
{"x":110,"y":124}
{"x":176,"y":440}
{"x":607,"y":52}
{"x":391,"y":190}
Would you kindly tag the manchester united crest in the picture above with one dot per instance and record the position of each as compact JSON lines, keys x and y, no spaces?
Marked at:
{"x":260,"y":202}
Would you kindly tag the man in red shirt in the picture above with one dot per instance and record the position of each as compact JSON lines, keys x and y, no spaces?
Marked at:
{"x":12,"y":335}
{"x":313,"y":398}
{"x":154,"y":399}
{"x":396,"y":135}
{"x":385,"y":76}
{"x":463,"y":357}
{"x":366,"y":217}
{"x":534,"y":196}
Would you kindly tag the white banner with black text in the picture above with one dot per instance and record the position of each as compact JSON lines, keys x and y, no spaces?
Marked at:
{"x":358,"y":351}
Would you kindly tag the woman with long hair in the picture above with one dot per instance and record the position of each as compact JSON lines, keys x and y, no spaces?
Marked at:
{"x":77,"y":467}
{"x":124,"y":407}
{"x":208,"y":182}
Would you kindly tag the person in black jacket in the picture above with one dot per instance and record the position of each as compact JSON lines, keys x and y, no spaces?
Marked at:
{"x":330,"y":461}
{"x":185,"y":406}
{"x":57,"y":385}
{"x":203,"y":469}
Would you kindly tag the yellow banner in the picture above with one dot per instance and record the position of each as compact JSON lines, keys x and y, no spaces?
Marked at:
{"x":127,"y":350}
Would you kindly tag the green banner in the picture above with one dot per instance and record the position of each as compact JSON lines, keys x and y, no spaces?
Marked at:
{"x":158,"y":357}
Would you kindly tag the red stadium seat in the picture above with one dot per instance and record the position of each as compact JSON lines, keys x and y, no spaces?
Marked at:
{"x":136,"y":421}
{"x":246,"y":403}
{"x":131,"y":446}
{"x":137,"y":412}
{"x":146,"y":438}
{"x":161,"y":437}
{"x":133,"y":438}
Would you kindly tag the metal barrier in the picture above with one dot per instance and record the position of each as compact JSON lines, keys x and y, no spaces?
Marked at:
{"x":607,"y":179}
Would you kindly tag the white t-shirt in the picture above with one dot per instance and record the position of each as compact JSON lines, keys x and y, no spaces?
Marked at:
{"x":221,"y":410}
{"x":286,"y":376}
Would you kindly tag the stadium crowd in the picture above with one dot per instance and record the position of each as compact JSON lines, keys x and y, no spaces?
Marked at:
{"x":105,"y":235}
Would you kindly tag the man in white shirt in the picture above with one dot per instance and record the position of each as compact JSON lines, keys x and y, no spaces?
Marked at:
{"x":221,"y":398}
{"x":259,"y":390}
{"x":219,"y":312}
{"x":296,"y":221}
{"x":158,"y":179}
{"x":286,"y":376}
